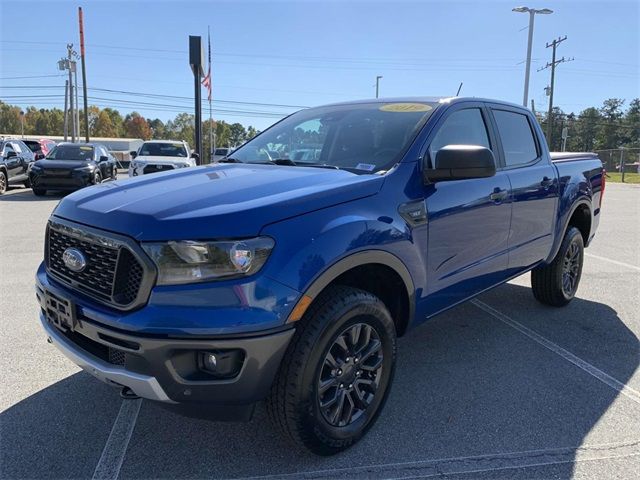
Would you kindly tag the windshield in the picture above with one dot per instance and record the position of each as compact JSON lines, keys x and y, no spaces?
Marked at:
{"x":163,"y":149}
{"x":364,"y":138}
{"x":71,"y":152}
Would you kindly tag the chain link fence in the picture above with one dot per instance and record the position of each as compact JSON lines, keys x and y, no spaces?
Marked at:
{"x":621,"y":160}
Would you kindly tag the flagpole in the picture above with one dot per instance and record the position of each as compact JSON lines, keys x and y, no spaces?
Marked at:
{"x":211,"y":145}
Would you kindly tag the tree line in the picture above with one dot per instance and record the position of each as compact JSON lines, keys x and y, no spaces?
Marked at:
{"x":595,"y":128}
{"x":110,"y":123}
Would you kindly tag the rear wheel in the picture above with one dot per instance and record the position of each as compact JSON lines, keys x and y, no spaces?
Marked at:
{"x":557,"y":283}
{"x":337,"y":371}
{"x":3,"y":182}
{"x":27,"y":183}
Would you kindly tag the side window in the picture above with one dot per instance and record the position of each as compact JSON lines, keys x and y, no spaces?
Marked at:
{"x":517,"y":138}
{"x":8,"y":148}
{"x":463,"y":127}
{"x":16,"y":147}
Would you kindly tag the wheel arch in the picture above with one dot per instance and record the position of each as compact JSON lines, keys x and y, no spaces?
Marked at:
{"x":581,"y":217}
{"x":361,"y":270}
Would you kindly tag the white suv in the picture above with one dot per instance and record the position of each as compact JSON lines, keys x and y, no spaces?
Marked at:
{"x":160,"y":156}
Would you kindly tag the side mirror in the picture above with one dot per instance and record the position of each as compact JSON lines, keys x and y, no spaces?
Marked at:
{"x":103,"y":158}
{"x":39,"y":156}
{"x":133,"y":154}
{"x":11,"y":154}
{"x":459,"y":162}
{"x":195,"y":155}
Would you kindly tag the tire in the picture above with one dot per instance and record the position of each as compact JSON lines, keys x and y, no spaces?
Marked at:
{"x":556,"y":284}
{"x":3,"y":182}
{"x":97,"y":178}
{"x":337,"y":316}
{"x":39,"y":192}
{"x":27,"y":184}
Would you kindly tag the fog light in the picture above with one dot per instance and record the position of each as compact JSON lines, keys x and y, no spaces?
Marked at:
{"x":222,"y":363}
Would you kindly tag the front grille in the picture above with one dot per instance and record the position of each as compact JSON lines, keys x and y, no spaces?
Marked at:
{"x":108,"y":354}
{"x":113,"y":273}
{"x":157,"y":168}
{"x":99,"y":274}
{"x":116,"y":357}
{"x":57,"y":172}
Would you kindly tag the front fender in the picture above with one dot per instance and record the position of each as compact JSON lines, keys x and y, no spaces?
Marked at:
{"x":314,"y":249}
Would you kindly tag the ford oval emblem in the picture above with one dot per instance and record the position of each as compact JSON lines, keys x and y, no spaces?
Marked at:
{"x":74,"y":259}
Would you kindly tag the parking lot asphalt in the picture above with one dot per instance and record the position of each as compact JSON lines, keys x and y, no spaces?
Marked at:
{"x":499,"y":387}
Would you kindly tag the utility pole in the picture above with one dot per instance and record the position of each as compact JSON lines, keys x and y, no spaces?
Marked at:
{"x":84,"y":77}
{"x":66,"y":110}
{"x":553,"y":65}
{"x":378,"y":84}
{"x":68,"y":67}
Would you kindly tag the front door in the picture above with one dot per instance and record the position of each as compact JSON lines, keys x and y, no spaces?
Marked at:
{"x":468,"y":220}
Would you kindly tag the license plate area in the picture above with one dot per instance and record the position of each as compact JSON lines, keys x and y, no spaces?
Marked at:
{"x":60,"y":311}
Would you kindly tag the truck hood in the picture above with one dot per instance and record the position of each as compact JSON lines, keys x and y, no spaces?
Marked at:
{"x":218,"y":201}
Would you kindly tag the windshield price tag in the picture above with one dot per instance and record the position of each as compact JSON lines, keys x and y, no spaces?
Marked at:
{"x":405,"y":107}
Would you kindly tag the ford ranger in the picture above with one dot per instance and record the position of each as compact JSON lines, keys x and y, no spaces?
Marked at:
{"x":266,"y":277}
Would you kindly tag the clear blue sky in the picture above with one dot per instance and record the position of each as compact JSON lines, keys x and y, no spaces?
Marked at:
{"x":309,"y":53}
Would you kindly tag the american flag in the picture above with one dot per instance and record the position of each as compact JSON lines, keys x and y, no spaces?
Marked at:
{"x":206,"y":81}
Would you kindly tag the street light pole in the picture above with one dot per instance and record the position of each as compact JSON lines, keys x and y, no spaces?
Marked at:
{"x":22,"y":121}
{"x":378,"y":84}
{"x":532,"y":12}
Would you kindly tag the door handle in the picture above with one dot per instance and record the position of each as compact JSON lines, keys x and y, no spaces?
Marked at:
{"x":498,"y":195}
{"x":546,"y":182}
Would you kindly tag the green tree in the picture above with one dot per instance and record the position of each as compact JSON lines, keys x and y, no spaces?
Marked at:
{"x":158,"y":128}
{"x":610,"y":134}
{"x":9,"y":118}
{"x":104,"y":127}
{"x":237,"y":134}
{"x":631,"y":131}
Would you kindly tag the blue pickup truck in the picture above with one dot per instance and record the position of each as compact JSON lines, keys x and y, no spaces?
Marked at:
{"x":288,"y":277}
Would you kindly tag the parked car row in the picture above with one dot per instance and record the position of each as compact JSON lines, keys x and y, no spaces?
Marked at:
{"x":42,"y":165}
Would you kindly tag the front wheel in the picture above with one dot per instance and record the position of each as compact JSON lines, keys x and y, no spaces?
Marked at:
{"x":39,"y":192}
{"x":97,"y":178}
{"x":336,"y":374}
{"x":3,"y":182}
{"x":557,"y":283}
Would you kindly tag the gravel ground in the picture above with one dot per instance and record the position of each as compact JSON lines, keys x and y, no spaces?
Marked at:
{"x":500,"y":387}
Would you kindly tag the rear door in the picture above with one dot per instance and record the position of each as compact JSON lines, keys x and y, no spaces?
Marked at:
{"x":14,"y":163}
{"x":468,"y":220}
{"x":534,"y":187}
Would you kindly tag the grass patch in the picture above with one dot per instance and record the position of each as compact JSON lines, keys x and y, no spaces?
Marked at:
{"x":616,"y":177}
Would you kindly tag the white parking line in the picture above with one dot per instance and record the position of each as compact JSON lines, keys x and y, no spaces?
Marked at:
{"x":115,"y":449}
{"x":471,"y":464}
{"x":555,"y":348}
{"x":615,"y":262}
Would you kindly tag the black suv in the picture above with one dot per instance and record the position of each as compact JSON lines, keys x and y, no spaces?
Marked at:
{"x":15,"y":158}
{"x":71,"y":166}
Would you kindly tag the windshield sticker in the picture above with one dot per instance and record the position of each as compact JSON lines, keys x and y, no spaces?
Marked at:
{"x":365,"y":166}
{"x":177,"y":145}
{"x":406,"y":107}
{"x":85,"y":148}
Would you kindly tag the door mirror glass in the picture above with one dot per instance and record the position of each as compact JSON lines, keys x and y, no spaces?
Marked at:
{"x":104,"y":158}
{"x":195,"y":156}
{"x":133,"y":154}
{"x":11,"y":154}
{"x":458,"y":162}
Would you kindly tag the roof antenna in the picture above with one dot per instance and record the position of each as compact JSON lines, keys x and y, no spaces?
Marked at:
{"x":459,"y":88}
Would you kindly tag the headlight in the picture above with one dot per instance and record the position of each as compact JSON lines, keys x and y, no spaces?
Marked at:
{"x":192,"y":262}
{"x":136,"y":164}
{"x":88,"y":168}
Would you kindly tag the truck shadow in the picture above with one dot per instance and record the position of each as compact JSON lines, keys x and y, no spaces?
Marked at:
{"x":466,"y":384}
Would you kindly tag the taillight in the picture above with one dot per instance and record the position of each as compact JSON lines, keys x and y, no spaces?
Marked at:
{"x":603,"y":184}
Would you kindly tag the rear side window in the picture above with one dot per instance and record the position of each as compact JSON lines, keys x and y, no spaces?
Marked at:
{"x":463,"y":127}
{"x":517,"y":138}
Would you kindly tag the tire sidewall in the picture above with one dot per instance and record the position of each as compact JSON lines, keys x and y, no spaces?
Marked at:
{"x":573,"y":236}
{"x":3,"y":184}
{"x":375,"y":315}
{"x":97,"y":178}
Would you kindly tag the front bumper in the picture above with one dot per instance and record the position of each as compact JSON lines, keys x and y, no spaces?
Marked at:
{"x":163,"y":368}
{"x":71,"y":181}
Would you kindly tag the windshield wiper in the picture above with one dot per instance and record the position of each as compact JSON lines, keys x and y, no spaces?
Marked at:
{"x":320,"y":165}
{"x":229,"y":160}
